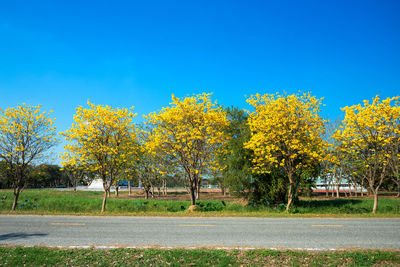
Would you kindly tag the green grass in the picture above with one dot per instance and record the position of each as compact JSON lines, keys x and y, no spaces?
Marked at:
{"x":47,"y":201}
{"x":85,"y":202}
{"x":40,"y":256}
{"x":348,"y":206}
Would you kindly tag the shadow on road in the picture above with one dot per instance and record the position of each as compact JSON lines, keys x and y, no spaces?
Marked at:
{"x":19,"y":236}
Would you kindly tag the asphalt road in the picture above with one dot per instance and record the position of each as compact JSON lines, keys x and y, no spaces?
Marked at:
{"x":296,"y":233}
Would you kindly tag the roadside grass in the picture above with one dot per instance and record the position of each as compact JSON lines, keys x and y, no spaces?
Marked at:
{"x":50,"y":201}
{"x":348,"y":206}
{"x":42,"y":256}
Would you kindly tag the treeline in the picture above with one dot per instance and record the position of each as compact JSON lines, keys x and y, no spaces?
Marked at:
{"x":268,"y":155}
{"x":41,"y":176}
{"x":55,"y":176}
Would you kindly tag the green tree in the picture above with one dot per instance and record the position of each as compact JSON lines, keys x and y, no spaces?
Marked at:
{"x":5,"y":175}
{"x":236,"y":174}
{"x":47,"y":175}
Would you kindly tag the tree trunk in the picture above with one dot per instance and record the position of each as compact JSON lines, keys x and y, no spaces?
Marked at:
{"x":193,"y":196}
{"x":370,"y":193}
{"x":338,"y":182}
{"x":129,"y":188}
{"x":117,"y":190}
{"x":16,"y":196}
{"x":193,"y":192}
{"x":375,"y":202}
{"x":291,"y":192}
{"x":198,"y":187}
{"x":146,"y":193}
{"x":398,"y":188}
{"x":290,"y":198}
{"x":326,"y":187}
{"x":165,"y":187}
{"x":103,"y":206}
{"x":361,"y":188}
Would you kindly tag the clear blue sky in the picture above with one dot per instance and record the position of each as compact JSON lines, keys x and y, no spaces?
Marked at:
{"x":127,"y":53}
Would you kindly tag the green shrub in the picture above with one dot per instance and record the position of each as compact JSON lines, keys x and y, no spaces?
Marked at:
{"x":210,"y":205}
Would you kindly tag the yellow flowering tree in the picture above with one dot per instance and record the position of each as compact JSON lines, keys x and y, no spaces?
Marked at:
{"x":286,"y":133}
{"x":191,"y":130}
{"x":368,"y":134}
{"x":26,"y":133}
{"x":102,"y":140}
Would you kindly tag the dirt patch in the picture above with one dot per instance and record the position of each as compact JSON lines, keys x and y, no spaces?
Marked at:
{"x":193,"y":208}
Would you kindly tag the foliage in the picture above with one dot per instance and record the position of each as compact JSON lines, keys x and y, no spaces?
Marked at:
{"x":102,"y":140}
{"x":269,"y":188}
{"x":47,"y":175}
{"x":286,"y":133}
{"x":210,"y":205}
{"x":237,"y":160}
{"x":26,"y":133}
{"x":5,"y":175}
{"x":191,"y":129}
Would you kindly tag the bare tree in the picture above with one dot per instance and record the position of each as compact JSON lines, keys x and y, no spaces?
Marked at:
{"x":74,"y":174}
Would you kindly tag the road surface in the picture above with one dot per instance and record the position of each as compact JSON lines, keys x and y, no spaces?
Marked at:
{"x":293,"y":233}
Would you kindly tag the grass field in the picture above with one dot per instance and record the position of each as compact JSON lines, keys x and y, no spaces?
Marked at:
{"x":39,"y":256}
{"x":48,"y":201}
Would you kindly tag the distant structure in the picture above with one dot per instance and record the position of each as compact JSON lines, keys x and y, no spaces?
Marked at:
{"x":96,"y":185}
{"x":345,"y":186}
